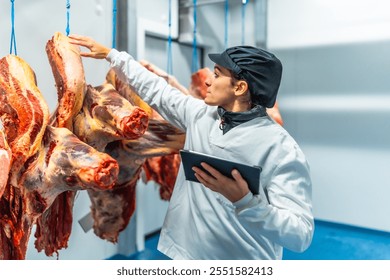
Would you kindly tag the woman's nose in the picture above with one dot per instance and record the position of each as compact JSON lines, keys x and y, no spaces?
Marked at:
{"x":208,"y":81}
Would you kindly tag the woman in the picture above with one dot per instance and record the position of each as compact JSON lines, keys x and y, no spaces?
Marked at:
{"x":219,"y":218}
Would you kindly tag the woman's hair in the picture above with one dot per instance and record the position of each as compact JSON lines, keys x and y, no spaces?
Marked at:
{"x":234,"y":78}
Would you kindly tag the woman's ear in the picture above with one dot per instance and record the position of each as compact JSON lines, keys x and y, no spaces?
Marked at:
{"x":241,"y":87}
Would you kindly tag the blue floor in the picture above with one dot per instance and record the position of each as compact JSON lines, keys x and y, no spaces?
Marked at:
{"x":330,"y":242}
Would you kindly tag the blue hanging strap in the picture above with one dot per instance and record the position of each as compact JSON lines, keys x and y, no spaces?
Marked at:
{"x":243,"y":7}
{"x":13,"y":37}
{"x":169,"y":63}
{"x":226,"y":23}
{"x":194,"y":46}
{"x":67,"y":17}
{"x":114,"y":10}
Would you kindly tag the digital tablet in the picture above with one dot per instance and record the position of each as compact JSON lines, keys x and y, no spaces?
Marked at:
{"x":251,"y":174}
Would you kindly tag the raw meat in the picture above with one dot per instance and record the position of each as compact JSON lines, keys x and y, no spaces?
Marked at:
{"x":63,"y":163}
{"x":127,"y":93}
{"x":23,"y":111}
{"x":160,"y":169}
{"x":68,"y":71}
{"x":54,"y":163}
{"x":71,"y":165}
{"x":275,"y":113}
{"x":49,"y":161}
{"x":105,"y":120}
{"x":106,"y":117}
{"x":198,"y":87}
{"x":5,"y":161}
{"x":113,"y":209}
{"x":24,"y":115}
{"x":163,"y":170}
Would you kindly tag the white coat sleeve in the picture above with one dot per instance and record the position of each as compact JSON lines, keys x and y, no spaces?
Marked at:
{"x":166,"y":100}
{"x":282,"y":211}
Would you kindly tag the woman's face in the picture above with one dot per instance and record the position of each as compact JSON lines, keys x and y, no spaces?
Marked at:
{"x":220,"y":88}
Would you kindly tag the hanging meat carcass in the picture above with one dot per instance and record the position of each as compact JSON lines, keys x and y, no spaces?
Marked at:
{"x":105,"y":119}
{"x":68,"y":72}
{"x":50,"y":160}
{"x":161,"y":166}
{"x":72,"y":166}
{"x":24,"y":115}
{"x":53,"y":163}
{"x":112,"y":210}
{"x":24,"y":112}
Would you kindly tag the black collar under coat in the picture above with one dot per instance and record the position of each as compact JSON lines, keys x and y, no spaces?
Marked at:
{"x":232,"y":119}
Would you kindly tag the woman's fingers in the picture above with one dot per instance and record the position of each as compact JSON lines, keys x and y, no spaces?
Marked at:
{"x":214,"y":172}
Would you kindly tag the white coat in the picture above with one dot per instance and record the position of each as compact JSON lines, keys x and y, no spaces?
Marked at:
{"x":202,"y":224}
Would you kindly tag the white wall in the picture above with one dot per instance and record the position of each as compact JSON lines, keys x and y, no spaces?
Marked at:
{"x":303,"y":23}
{"x":35,"y":23}
{"x":335,"y":101}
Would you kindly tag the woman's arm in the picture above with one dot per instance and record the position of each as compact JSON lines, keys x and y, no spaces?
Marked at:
{"x":97,"y":50}
{"x":154,"y":90}
{"x":282,"y":212}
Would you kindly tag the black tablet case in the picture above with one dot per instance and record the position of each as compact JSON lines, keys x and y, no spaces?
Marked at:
{"x":250,"y":173}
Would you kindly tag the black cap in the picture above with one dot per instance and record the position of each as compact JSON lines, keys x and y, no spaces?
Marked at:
{"x":260,"y":69}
